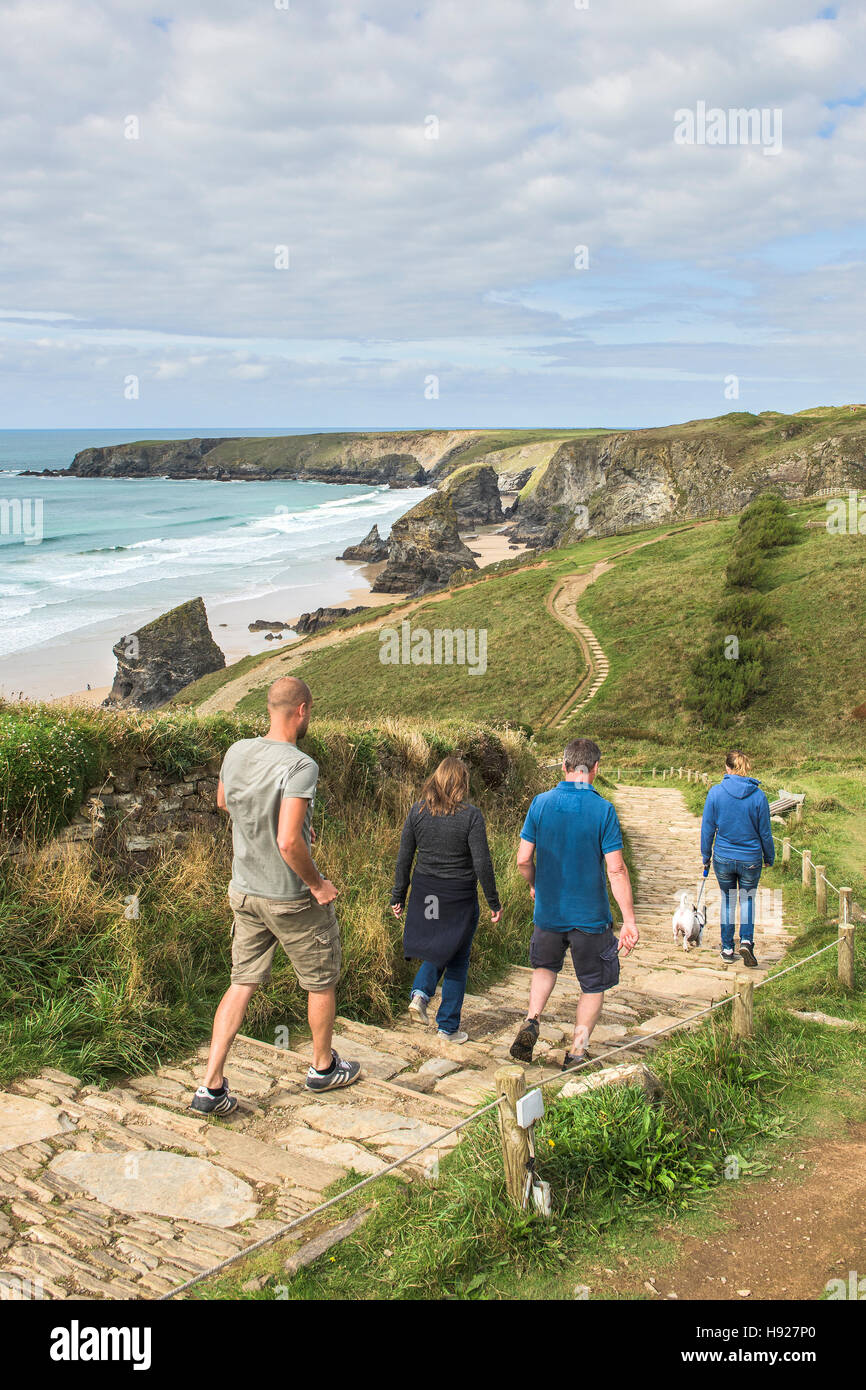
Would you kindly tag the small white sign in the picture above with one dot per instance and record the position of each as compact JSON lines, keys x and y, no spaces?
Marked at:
{"x":530,"y":1108}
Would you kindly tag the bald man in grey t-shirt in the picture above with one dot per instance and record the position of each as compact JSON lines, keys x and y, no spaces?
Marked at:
{"x":277,"y":895}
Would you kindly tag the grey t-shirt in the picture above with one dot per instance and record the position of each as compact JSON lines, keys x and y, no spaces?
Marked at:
{"x":258,"y":774}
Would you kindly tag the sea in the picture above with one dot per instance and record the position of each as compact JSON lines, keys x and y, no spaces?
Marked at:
{"x":85,"y":561}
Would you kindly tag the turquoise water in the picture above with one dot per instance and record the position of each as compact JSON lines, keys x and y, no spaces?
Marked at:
{"x":83,"y":555}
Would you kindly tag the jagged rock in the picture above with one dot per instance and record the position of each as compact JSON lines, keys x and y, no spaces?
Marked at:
{"x":262,"y":625}
{"x":537,"y":530}
{"x":371,"y":549}
{"x":425,"y":549}
{"x":513,"y":482}
{"x":323,"y":617}
{"x":165,"y":655}
{"x":475,"y":494}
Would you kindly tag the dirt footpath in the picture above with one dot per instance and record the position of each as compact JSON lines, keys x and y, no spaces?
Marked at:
{"x":788,"y":1235}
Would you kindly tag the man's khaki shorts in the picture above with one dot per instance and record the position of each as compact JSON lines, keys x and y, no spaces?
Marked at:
{"x":308,"y":933}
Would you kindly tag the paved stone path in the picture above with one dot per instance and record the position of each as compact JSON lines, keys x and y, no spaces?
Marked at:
{"x":124,"y":1193}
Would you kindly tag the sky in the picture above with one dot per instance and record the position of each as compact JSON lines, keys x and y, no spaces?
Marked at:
{"x":395,"y":214}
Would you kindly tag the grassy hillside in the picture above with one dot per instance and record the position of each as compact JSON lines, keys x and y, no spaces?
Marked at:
{"x":283,"y":453}
{"x":652,"y":612}
{"x":527,"y":661}
{"x":760,"y":437}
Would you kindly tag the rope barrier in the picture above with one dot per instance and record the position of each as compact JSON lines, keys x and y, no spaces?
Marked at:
{"x":779,"y":973}
{"x":323,"y":1206}
{"x":823,"y":876}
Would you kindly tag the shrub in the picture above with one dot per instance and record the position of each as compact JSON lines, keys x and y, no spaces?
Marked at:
{"x":743,"y":613}
{"x":743,"y":571}
{"x":47,"y":762}
{"x":720,"y":687}
{"x":766,"y":523}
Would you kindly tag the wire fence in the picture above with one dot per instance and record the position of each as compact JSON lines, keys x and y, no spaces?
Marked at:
{"x":557,"y":1077}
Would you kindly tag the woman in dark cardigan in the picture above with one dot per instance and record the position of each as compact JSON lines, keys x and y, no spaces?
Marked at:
{"x":449,"y":837}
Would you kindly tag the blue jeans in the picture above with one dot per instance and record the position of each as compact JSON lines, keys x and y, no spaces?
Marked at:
{"x":453,"y":977}
{"x":740,"y":876}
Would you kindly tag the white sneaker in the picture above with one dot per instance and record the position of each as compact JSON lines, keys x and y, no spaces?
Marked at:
{"x":453,"y":1037}
{"x":418,"y":1008}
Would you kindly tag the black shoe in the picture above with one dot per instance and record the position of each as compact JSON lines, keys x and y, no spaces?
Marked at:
{"x":727,"y":956}
{"x":570,"y":1060}
{"x":341,"y":1074}
{"x":223,"y":1103}
{"x":521,"y":1048}
{"x":748,"y":955}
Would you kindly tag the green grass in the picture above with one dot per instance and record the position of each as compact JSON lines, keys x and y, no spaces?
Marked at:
{"x":50,"y":757}
{"x":652,"y":611}
{"x":349,"y":677}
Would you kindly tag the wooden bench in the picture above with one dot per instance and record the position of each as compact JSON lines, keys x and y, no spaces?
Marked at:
{"x":787,"y":801}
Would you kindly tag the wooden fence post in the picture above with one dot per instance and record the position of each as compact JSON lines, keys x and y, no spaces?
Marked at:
{"x":679,"y":774}
{"x":846,"y":956}
{"x":845,"y":896}
{"x":786,"y":850}
{"x":743,"y":1009}
{"x":807,"y":868}
{"x":706,"y":780}
{"x":654,"y":772}
{"x":820,"y":890}
{"x":511,"y":1083}
{"x":798,"y":813}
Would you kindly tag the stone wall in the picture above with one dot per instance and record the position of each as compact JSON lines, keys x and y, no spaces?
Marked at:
{"x":140,"y":808}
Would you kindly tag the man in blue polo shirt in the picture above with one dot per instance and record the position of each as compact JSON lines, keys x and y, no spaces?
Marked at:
{"x":570,"y":834}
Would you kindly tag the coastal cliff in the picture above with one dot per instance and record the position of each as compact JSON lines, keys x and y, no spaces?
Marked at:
{"x":611,"y":482}
{"x":398,"y":460}
{"x":572,"y":482}
{"x":475,"y":494}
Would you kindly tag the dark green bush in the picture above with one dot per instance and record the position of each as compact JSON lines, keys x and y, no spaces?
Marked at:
{"x":743,"y":571}
{"x":722,"y":686}
{"x":766,"y":523}
{"x":743,"y":613}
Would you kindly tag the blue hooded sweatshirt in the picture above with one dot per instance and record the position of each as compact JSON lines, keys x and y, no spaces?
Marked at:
{"x":737,"y":816}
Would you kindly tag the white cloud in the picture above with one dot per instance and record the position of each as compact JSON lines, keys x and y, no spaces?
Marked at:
{"x":261,"y":127}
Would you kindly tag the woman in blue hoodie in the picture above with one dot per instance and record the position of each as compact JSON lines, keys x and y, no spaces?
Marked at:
{"x":735,"y":833}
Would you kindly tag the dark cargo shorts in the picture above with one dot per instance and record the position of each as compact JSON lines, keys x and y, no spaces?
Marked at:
{"x":595,"y":955}
{"x":308,"y":933}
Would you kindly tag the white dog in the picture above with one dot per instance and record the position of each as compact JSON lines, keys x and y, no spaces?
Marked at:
{"x":688,"y":923}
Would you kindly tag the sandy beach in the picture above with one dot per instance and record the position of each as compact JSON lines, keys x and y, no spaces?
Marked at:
{"x":89,"y":657}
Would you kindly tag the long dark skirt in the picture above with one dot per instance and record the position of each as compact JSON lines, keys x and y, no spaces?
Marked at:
{"x":440,"y":919}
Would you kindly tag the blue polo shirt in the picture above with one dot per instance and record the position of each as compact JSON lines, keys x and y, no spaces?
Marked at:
{"x":572,"y":828}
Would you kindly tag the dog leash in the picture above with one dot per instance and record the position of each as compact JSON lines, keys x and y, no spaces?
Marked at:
{"x":701,"y":889}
